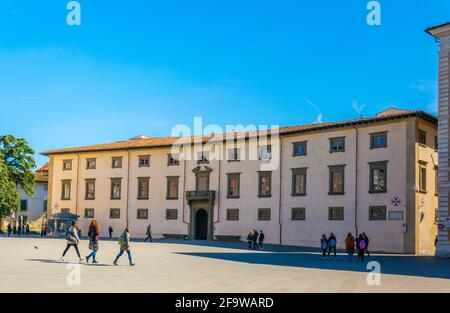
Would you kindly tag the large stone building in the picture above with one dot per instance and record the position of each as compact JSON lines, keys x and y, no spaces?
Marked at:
{"x":375,"y":175}
{"x":442,"y":33}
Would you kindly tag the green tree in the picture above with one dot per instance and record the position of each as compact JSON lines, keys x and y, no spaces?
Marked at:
{"x":18,"y":159}
{"x":9,"y":196}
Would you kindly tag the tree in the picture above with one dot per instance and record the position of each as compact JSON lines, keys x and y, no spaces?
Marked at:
{"x":9,"y":195}
{"x":19,"y":162}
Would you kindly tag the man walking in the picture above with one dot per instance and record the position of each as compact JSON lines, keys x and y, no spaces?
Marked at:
{"x":366,"y":239}
{"x":110,"y":231}
{"x":255,"y":239}
{"x":261,"y":240}
{"x":332,"y":244}
{"x":149,"y":234}
{"x":9,"y":229}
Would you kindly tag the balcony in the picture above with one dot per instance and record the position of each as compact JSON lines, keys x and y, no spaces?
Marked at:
{"x":200,"y":196}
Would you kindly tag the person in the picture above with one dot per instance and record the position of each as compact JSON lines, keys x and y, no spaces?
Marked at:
{"x":27,"y":230}
{"x":149,"y":234}
{"x":124,"y":243}
{"x":324,"y":245}
{"x":261,"y":240}
{"x":332,"y":242}
{"x":93,"y":234}
{"x":19,"y":230}
{"x":255,"y":239}
{"x":350,"y":246}
{"x":250,"y":239}
{"x":110,"y":231}
{"x":366,"y":239}
{"x":72,"y":241}
{"x":9,"y":229}
{"x":361,"y":246}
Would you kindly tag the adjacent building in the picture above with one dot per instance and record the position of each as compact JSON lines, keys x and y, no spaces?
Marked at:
{"x":375,"y":175}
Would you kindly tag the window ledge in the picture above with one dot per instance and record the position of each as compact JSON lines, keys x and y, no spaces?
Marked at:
{"x":169,"y":198}
{"x":336,"y":193}
{"x":87,"y":199}
{"x":375,"y":192}
{"x":423,"y":191}
{"x":115,"y":198}
{"x":264,"y":196}
{"x":143,"y":198}
{"x":298,"y":194}
{"x":233,"y":197}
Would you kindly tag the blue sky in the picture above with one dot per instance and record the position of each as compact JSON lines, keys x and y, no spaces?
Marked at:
{"x":143,"y":66}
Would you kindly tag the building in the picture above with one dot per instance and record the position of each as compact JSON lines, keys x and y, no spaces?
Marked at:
{"x":442,"y":33}
{"x":375,"y":175}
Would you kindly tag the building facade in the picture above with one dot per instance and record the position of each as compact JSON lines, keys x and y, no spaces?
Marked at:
{"x":375,"y":175}
{"x":442,"y":33}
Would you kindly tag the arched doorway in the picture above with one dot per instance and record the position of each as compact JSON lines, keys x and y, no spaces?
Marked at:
{"x":201,"y":224}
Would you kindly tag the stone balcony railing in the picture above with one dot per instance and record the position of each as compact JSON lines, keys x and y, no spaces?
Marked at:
{"x":200,"y":195}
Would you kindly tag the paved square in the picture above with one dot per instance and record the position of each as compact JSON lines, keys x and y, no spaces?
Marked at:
{"x":189,"y":266}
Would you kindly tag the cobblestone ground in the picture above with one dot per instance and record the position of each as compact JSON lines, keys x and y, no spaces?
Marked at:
{"x":31,"y":265}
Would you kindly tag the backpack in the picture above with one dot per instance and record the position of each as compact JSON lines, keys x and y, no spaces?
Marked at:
{"x":362,"y":244}
{"x":324,"y":244}
{"x":122,"y":240}
{"x":333,"y":242}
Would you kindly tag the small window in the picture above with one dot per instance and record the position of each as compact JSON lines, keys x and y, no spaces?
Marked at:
{"x":114,"y":213}
{"x":116,"y":162}
{"x":172,"y":187}
{"x":44,"y":206}
{"x":265,"y":153}
{"x":203,"y":157}
{"x":89,"y":213}
{"x":232,"y":214}
{"x":65,"y":190}
{"x":171,"y":214}
{"x":65,"y":210}
{"x":90,"y":189}
{"x":91,"y":164}
{"x":143,"y":188}
{"x":67,"y":165}
{"x":422,"y":137}
{"x":265,"y":184}
{"x":233,"y":185}
{"x":337,"y":144}
{"x":116,"y":188}
{"x":299,"y":148}
{"x":337,"y":173}
{"x":378,"y":177}
{"x":378,"y":140}
{"x":298,"y":181}
{"x":234,"y":155}
{"x":144,"y":161}
{"x":23,"y":205}
{"x":173,"y":159}
{"x":377,"y":213}
{"x":264,"y":214}
{"x":336,"y":214}
{"x":298,"y":214}
{"x":142,"y":214}
{"x":423,"y":177}
{"x":45,"y":187}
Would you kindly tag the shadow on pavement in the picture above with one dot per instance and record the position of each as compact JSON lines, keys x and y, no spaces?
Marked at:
{"x":66,"y":262}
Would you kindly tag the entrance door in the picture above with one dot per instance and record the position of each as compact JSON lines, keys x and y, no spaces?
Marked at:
{"x":201,"y":224}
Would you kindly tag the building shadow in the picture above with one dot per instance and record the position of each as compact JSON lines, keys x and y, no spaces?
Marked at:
{"x":66,"y":262}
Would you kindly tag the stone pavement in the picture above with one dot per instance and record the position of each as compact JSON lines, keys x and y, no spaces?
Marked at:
{"x":31,"y":265}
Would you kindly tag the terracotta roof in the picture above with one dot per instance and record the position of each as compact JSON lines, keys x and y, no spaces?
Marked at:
{"x":431,"y":29}
{"x":154,"y":142}
{"x":41,"y":177}
{"x":43,"y":168}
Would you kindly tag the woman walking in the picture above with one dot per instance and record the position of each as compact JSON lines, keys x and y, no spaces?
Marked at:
{"x":72,"y":240}
{"x":350,"y":246}
{"x":361,"y":246}
{"x":93,"y":234}
{"x":124,"y":242}
{"x":332,"y":244}
{"x":324,"y":245}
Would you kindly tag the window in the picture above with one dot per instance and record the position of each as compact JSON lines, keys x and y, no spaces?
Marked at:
{"x":24,"y":205}
{"x":265,"y":184}
{"x":142,"y":214}
{"x":378,"y":177}
{"x":45,"y":187}
{"x":203,"y":157}
{"x":422,"y":176}
{"x":234,"y":155}
{"x":298,"y":181}
{"x":232,"y":214}
{"x":65,"y":210}
{"x":233,"y":185}
{"x":202,"y":181}
{"x":115,"y":188}
{"x":171,"y":214}
{"x":436,"y":180}
{"x":299,"y":148}
{"x":88,"y":213}
{"x":116,"y":162}
{"x":114,"y":213}
{"x":173,"y":159}
{"x":422,"y":137}
{"x":67,"y":165}
{"x":336,"y":214}
{"x":44,"y":205}
{"x":378,"y":140}
{"x":336,"y":179}
{"x":265,"y":153}
{"x":172,"y":187}
{"x":65,"y":190}
{"x":91,"y":164}
{"x":337,"y":144}
{"x":144,"y":161}
{"x":298,"y":214}
{"x":377,"y":213}
{"x":90,"y":189}
{"x":436,"y":143}
{"x":143,"y":188}
{"x":264,"y":214}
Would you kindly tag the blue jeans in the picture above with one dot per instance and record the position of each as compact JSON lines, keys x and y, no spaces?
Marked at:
{"x":120,"y":254}
{"x":93,"y":254}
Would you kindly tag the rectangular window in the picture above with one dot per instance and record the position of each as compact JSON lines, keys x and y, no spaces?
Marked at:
{"x":232,"y":214}
{"x":116,"y":162}
{"x":377,"y":213}
{"x":233,"y":185}
{"x":24,"y":205}
{"x":91,"y":164}
{"x":88,"y":213}
{"x":142,"y":214}
{"x":265,"y":153}
{"x":299,"y":148}
{"x":298,"y":181}
{"x":65,"y":190}
{"x":264,"y":214}
{"x":44,"y":207}
{"x":65,"y":210}
{"x":336,"y":214}
{"x":143,"y":188}
{"x":203,"y":157}
{"x":422,"y":137}
{"x":171,"y":214}
{"x":265,"y":184}
{"x":173,"y":159}
{"x":337,"y":144}
{"x":423,"y":177}
{"x":115,"y":188}
{"x":114,"y":213}
{"x":67,"y":165}
{"x":202,"y":181}
{"x":378,"y":177}
{"x":144,"y":161}
{"x":298,"y":214}
{"x":90,"y":189}
{"x":337,"y":173}
{"x":172,"y":187}
{"x":234,"y":155}
{"x":378,"y":140}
